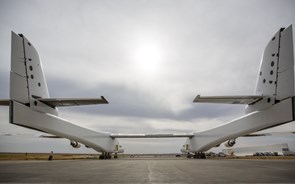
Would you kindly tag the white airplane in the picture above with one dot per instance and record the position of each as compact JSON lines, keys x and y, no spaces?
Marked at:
{"x":271,"y":105}
{"x":30,"y":105}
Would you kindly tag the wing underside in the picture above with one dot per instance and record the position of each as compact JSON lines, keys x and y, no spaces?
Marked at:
{"x":64,"y":102}
{"x":4,"y":102}
{"x":161,"y":135}
{"x":228,"y":99}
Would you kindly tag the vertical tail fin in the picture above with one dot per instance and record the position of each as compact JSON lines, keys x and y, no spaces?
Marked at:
{"x":276,"y":74}
{"x":19,"y":90}
{"x":27,"y":79}
{"x":285,"y":73}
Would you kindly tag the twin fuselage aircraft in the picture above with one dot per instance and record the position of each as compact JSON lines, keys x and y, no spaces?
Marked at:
{"x":272,"y":104}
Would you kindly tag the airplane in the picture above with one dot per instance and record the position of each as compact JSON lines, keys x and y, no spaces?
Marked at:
{"x":30,"y":105}
{"x":271,"y":105}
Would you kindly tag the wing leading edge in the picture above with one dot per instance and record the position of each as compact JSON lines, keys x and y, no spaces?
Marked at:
{"x":228,"y":99}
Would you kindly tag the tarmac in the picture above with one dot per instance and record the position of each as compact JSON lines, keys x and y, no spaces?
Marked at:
{"x":149,"y":171}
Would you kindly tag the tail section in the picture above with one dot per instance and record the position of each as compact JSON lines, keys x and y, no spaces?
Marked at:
{"x":19,"y":90}
{"x":276,"y":75}
{"x":285,"y":75}
{"x":27,"y":79}
{"x":272,"y":104}
{"x":31,"y":107}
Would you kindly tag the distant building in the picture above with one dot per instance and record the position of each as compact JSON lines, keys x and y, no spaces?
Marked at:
{"x":242,"y":151}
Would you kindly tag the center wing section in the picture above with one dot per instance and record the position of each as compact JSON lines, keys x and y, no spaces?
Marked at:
{"x":64,"y":102}
{"x":249,"y":100}
{"x":163,"y":135}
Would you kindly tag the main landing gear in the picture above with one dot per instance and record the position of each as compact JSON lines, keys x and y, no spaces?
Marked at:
{"x":105,"y":155}
{"x":108,"y":155}
{"x":200,"y":155}
{"x":197,"y":155}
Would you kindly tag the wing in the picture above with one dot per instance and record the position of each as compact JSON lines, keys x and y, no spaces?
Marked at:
{"x":163,"y":135}
{"x":62,"y":102}
{"x":4,"y":102}
{"x":228,"y":99}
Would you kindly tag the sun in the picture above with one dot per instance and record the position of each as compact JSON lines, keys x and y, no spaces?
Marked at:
{"x":148,"y":57}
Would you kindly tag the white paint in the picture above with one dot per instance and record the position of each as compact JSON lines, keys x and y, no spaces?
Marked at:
{"x":28,"y":80}
{"x":42,"y":117}
{"x":274,"y":109}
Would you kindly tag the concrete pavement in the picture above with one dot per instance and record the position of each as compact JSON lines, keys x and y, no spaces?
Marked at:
{"x":148,"y":171}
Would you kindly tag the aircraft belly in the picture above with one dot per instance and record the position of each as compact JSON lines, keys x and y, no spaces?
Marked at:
{"x":275,"y":115}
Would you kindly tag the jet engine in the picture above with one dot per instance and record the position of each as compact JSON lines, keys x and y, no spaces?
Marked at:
{"x":230,"y":143}
{"x":75,"y":144}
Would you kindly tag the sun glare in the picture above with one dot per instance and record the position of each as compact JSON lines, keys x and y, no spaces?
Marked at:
{"x":148,"y":57}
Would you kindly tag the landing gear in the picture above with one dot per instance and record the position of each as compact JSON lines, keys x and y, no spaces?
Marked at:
{"x":105,"y":155}
{"x":189,"y":155}
{"x":199,"y":155}
{"x":196,"y":155}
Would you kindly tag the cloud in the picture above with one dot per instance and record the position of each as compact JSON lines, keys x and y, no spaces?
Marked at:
{"x":124,"y":101}
{"x":89,"y":49}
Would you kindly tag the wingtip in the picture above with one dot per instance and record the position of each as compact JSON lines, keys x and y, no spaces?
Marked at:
{"x":196,"y":99}
{"x":104,"y":99}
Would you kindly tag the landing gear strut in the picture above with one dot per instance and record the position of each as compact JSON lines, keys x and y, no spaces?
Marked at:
{"x":199,"y":155}
{"x":189,"y":155}
{"x":105,"y":155}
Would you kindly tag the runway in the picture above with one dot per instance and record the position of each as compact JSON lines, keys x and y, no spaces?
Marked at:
{"x":148,"y":171}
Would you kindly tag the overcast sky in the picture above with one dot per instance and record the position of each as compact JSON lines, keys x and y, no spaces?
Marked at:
{"x":148,"y":58}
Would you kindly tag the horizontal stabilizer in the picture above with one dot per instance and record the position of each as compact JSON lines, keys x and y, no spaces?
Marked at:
{"x":268,"y":134}
{"x":257,"y":135}
{"x":150,"y":135}
{"x":50,"y":136}
{"x":63,"y":102}
{"x":228,"y":99}
{"x":4,"y":102}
